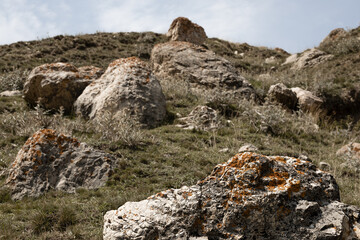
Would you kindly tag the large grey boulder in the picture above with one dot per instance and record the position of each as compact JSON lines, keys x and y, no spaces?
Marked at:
{"x":281,"y":94}
{"x":308,"y":102}
{"x":249,"y":197}
{"x":309,"y":58}
{"x":198,"y":66}
{"x":50,"y":160}
{"x":57,"y":85}
{"x":182,"y":29}
{"x":126,"y":86}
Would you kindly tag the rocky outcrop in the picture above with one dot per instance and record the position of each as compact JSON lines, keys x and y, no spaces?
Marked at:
{"x":249,"y":197}
{"x":200,"y":67}
{"x":49,"y":160}
{"x":57,"y":85}
{"x":308,"y":58}
{"x":127,"y":85}
{"x":281,"y":94}
{"x":201,"y":118}
{"x":333,"y":36}
{"x":307,"y":101}
{"x":182,"y":29}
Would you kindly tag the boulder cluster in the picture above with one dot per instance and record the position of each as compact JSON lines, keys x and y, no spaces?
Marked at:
{"x":251,"y":196}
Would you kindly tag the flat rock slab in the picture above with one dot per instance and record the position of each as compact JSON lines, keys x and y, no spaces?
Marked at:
{"x":251,"y":196}
{"x":50,"y":160}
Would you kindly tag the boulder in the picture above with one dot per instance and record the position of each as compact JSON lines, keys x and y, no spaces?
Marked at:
{"x":50,"y":160}
{"x":126,"y":86}
{"x":14,"y":93}
{"x":182,"y":29}
{"x":251,"y":196}
{"x":308,"y":58}
{"x":248,"y":148}
{"x":281,"y":94}
{"x":333,"y":36}
{"x":201,"y":118}
{"x":307,"y":101}
{"x":199,"y":66}
{"x":57,"y":85}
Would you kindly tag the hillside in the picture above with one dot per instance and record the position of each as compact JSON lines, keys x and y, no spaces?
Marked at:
{"x":151,"y":160}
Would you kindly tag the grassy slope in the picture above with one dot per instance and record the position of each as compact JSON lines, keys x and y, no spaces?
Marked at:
{"x":159,"y":158}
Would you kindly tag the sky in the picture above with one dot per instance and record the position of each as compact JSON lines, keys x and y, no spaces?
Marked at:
{"x":293,"y":25}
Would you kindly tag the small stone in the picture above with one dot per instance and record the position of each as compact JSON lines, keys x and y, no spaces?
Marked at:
{"x":11,"y":93}
{"x":224,"y":150}
{"x":324,"y":166}
{"x":248,"y":148}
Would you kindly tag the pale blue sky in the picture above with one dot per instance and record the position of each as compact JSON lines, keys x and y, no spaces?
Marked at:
{"x":290,"y":24}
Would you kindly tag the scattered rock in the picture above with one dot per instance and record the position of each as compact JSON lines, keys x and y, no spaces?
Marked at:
{"x":249,"y":197}
{"x":15,"y":93}
{"x":248,"y":148}
{"x":49,"y":160}
{"x":224,"y":150}
{"x":271,"y":60}
{"x":281,"y":94}
{"x":201,"y":118}
{"x":55,"y":85}
{"x":182,"y":29}
{"x":324,"y":166}
{"x":127,"y":84}
{"x":199,"y":66}
{"x":307,"y":101}
{"x":308,"y":58}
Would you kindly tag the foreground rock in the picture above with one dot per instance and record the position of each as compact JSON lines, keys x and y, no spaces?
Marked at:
{"x":50,"y":160}
{"x":182,"y":29}
{"x":57,"y":85}
{"x":281,"y":94}
{"x":127,"y":86}
{"x":307,"y":101}
{"x":201,"y":118}
{"x":198,"y":66}
{"x":308,"y":58}
{"x":249,"y":197}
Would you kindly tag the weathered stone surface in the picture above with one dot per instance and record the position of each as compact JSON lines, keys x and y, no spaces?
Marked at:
{"x":57,"y":84}
{"x":200,"y":118}
{"x":249,"y":197}
{"x":334,"y":35}
{"x":50,"y":160}
{"x":127,"y":84}
{"x":281,"y":94}
{"x":308,"y":58}
{"x":307,"y":101}
{"x":200,"y":67}
{"x":90,"y":72}
{"x":248,"y":148}
{"x":182,"y":29}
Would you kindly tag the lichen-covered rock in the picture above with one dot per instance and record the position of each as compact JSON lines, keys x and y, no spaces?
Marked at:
{"x":50,"y":160}
{"x":57,"y":85}
{"x":127,"y":84}
{"x":201,"y":118}
{"x":308,"y":58}
{"x":199,"y":67}
{"x":182,"y":29}
{"x":307,"y":101}
{"x":281,"y":94}
{"x":249,"y":197}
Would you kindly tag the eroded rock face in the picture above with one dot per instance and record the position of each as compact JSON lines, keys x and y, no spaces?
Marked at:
{"x":57,"y":84}
{"x":308,"y":102}
{"x":50,"y":160}
{"x":127,"y":84}
{"x":249,"y":197}
{"x":201,"y":118}
{"x":283,"y":95}
{"x":308,"y":58}
{"x":200,"y":67}
{"x":182,"y":29}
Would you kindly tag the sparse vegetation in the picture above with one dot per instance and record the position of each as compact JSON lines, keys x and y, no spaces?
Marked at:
{"x":152,"y":160}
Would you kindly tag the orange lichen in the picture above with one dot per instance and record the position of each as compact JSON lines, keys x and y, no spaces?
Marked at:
{"x":186,"y":194}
